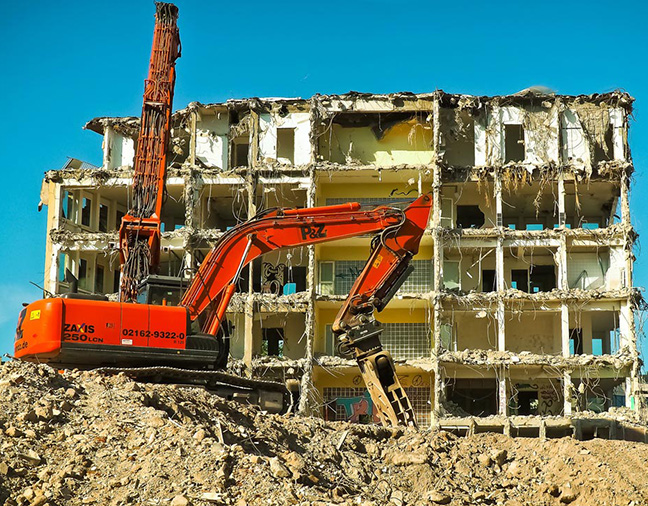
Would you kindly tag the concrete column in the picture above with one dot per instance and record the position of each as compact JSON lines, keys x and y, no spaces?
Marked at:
{"x":439,"y":388}
{"x":499,"y":267}
{"x":625,"y":198}
{"x":499,"y":264}
{"x":307,"y":401}
{"x":567,"y":393}
{"x":248,"y":334}
{"x":497,"y":188}
{"x":567,"y":389}
{"x":436,"y":208}
{"x":562,"y":281}
{"x":562,"y":218}
{"x":192,"y":139}
{"x":53,"y":199}
{"x":254,"y":139}
{"x":188,"y":261}
{"x":628,"y":390}
{"x":501,"y":313}
{"x":314,"y":125}
{"x":192,"y":200}
{"x":501,"y":326}
{"x":107,"y":141}
{"x":564,"y":329}
{"x":625,"y":219}
{"x":52,"y":268}
{"x":439,"y":384}
{"x":627,"y":335}
{"x":502,"y":393}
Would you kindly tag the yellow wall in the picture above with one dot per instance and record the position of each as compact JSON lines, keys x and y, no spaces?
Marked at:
{"x":351,"y":378}
{"x":334,"y":251}
{"x":409,"y":142}
{"x":326,"y":316}
{"x":372,"y":189}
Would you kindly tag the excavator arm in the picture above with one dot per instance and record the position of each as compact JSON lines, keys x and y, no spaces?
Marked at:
{"x":359,"y":333}
{"x":387,"y":268}
{"x":139,"y":233}
{"x":214,"y":283}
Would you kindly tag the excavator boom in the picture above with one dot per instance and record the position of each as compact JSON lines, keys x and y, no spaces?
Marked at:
{"x":213,"y":284}
{"x":139,"y":234}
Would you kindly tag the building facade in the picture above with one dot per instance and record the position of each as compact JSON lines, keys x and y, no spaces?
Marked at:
{"x":521,"y":302}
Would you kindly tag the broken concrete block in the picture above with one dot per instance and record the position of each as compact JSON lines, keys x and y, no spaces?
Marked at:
{"x":180,"y":500}
{"x":277,"y":469}
{"x":439,"y":497}
{"x":31,"y":457}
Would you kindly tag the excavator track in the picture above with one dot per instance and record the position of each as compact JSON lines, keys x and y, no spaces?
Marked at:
{"x":269,"y":395}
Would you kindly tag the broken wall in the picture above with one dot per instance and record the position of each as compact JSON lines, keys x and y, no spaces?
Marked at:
{"x":211,"y":141}
{"x":380,"y":139}
{"x":285,"y":138}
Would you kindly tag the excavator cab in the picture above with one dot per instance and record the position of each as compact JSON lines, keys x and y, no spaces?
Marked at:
{"x":161,"y":290}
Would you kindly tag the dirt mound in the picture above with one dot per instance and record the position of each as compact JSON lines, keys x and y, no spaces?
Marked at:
{"x":82,"y":438}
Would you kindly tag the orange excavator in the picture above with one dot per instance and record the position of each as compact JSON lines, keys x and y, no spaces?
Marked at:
{"x":189,"y":342}
{"x":85,"y":330}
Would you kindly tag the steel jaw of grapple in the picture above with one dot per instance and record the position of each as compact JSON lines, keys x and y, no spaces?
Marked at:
{"x":379,"y":374}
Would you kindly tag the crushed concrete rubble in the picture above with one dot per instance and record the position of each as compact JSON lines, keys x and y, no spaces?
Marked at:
{"x":624,"y":358}
{"x":79,"y":438}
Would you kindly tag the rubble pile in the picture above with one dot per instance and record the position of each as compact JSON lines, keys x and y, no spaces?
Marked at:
{"x":81,"y":438}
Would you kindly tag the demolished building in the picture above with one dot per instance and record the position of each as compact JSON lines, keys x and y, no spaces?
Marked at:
{"x":521,"y":302}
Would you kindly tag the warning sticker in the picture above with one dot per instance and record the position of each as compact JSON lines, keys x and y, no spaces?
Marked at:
{"x":35,"y":315}
{"x":377,"y":261}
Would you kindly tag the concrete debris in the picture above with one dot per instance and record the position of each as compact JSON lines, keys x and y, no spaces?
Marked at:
{"x":616,"y":230}
{"x":128,"y":126}
{"x":159,"y":444}
{"x":621,"y":360}
{"x":571,"y":295}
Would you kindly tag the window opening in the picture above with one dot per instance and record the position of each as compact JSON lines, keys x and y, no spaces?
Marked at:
{"x":513,"y":143}
{"x":83,"y":273}
{"x":273,"y":342}
{"x":520,"y":279}
{"x":286,"y":145}
{"x":575,"y":341}
{"x":103,"y":218}
{"x":327,"y":281}
{"x":99,"y":279}
{"x":241,"y":154}
{"x":527,"y":403}
{"x":470,"y":217}
{"x":488,"y":280}
{"x":543,"y":278}
{"x":86,"y":211}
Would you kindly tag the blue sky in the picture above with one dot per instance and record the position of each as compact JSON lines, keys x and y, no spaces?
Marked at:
{"x":67,"y":62}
